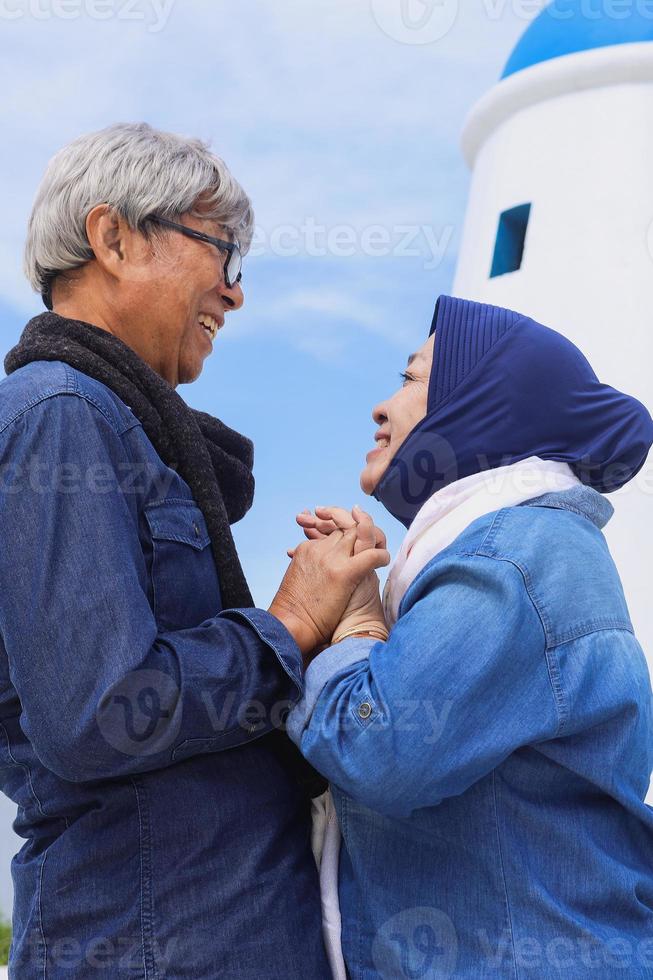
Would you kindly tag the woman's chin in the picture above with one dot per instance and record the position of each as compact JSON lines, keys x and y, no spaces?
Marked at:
{"x":365,"y":486}
{"x":369,"y":479}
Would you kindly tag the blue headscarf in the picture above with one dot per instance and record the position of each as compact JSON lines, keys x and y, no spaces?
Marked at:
{"x":504,"y":388}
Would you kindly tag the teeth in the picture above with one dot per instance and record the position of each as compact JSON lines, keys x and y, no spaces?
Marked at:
{"x":210,"y":324}
{"x":383,"y":443}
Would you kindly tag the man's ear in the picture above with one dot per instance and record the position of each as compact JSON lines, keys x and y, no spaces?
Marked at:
{"x":107,"y":233}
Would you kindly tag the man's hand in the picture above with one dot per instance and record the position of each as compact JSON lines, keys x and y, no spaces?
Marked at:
{"x":318,"y":586}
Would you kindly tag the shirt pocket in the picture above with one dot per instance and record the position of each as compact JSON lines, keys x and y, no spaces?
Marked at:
{"x":185,"y":585}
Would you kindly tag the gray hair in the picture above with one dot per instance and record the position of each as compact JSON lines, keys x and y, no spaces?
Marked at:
{"x":138,"y":171}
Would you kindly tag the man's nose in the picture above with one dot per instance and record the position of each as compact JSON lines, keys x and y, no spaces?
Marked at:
{"x":232,"y":296}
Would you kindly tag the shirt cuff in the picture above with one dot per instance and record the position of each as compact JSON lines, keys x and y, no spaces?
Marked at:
{"x":275,"y":635}
{"x":325,"y":666}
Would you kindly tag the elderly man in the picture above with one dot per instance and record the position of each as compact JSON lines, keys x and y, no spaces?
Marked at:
{"x":164,"y":813}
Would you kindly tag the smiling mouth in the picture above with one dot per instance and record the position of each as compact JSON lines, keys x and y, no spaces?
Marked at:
{"x":210,"y":324}
{"x":380,"y":446}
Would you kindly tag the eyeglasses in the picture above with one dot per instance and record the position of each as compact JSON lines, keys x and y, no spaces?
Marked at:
{"x":233,"y":262}
{"x":232,"y":266}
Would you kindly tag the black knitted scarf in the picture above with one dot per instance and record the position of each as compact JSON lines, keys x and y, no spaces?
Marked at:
{"x":214,"y":460}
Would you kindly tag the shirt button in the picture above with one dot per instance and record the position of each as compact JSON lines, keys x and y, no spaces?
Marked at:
{"x":365,"y":710}
{"x":196,"y":529}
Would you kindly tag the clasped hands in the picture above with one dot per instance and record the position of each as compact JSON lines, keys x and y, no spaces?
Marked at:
{"x":331,"y":586}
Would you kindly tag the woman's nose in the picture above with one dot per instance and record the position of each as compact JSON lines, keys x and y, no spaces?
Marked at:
{"x":379,"y":413}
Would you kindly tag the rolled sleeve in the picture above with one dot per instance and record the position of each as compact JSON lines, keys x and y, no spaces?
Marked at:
{"x":274,"y":634}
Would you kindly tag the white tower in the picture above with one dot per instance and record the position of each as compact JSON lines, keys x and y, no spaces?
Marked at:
{"x":559,"y":224}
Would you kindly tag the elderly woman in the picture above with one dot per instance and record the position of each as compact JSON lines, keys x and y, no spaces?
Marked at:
{"x":490,"y":757}
{"x":166,"y":823}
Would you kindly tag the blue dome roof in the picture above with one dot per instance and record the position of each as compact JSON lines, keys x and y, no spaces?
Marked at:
{"x":569,"y":26}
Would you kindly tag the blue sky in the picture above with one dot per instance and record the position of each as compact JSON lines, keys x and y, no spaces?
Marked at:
{"x":343,"y":124}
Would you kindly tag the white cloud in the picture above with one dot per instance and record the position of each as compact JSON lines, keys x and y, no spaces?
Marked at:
{"x":333,"y":303}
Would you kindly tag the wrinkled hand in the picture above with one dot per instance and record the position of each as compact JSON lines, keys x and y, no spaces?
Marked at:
{"x":365,"y":605}
{"x":320,"y":581}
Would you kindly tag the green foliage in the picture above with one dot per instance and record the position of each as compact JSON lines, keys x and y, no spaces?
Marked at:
{"x":5,"y":940}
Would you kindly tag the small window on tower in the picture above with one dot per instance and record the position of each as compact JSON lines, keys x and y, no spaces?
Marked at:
{"x":511,"y":236}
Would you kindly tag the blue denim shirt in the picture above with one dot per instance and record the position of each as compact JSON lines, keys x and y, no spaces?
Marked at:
{"x":490,"y":761}
{"x":164,"y":835}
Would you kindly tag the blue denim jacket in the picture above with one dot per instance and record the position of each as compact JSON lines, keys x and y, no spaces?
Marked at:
{"x":490,"y":761}
{"x":164,"y":836}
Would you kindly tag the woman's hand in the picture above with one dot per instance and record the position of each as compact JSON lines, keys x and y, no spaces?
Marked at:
{"x":365,"y":606}
{"x":319,"y":584}
{"x":329,"y":519}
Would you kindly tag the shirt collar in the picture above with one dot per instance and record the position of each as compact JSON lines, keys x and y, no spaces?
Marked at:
{"x":581,"y":500}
